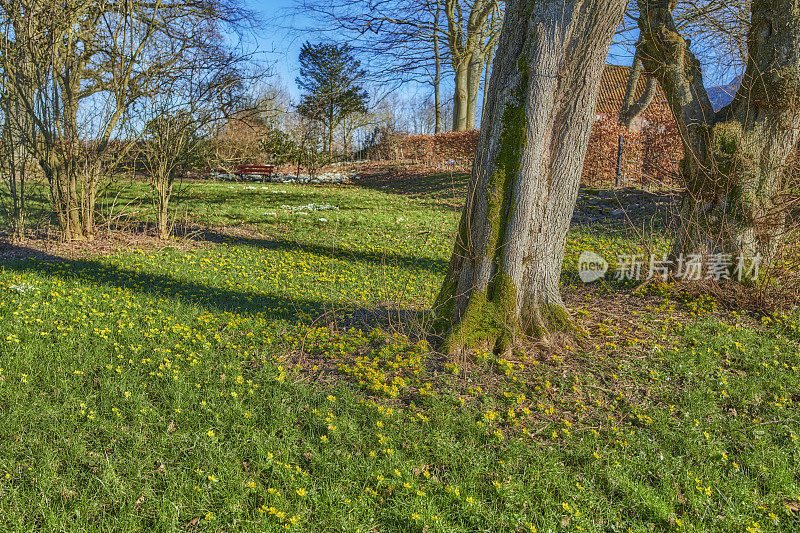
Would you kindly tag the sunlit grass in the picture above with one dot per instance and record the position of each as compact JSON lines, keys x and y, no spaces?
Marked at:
{"x":172,"y":389}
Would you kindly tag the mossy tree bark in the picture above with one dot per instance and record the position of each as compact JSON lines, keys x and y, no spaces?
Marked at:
{"x":503,"y":279}
{"x":735,"y":167}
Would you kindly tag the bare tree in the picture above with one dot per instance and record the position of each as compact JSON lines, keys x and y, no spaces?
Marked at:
{"x":204,"y":88}
{"x":717,"y":31}
{"x":416,"y":39}
{"x":503,"y":279}
{"x":16,"y":164}
{"x":90,"y":61}
{"x":400,"y":38}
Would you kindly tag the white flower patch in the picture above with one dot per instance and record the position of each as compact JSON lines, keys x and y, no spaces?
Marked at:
{"x":22,"y":288}
{"x":309,"y":208}
{"x":322,"y":219}
{"x":271,"y":214}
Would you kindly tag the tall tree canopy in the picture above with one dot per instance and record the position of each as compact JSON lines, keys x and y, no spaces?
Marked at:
{"x":331,"y":78}
{"x":420,"y":39}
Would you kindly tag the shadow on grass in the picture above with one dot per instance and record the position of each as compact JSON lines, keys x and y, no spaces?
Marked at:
{"x":434,"y":266}
{"x":212,"y":236}
{"x":442,"y":186}
{"x":246,"y":198}
{"x":292,"y":309}
{"x":162,"y":285}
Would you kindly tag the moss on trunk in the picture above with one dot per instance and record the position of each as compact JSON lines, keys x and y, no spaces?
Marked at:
{"x":503,"y":279}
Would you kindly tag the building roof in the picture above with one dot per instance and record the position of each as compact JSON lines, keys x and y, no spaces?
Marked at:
{"x":612,"y":90}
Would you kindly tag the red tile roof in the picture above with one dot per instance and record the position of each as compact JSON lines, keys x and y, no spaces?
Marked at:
{"x":612,"y":90}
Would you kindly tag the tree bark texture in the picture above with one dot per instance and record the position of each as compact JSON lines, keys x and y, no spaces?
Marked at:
{"x":460,"y":97}
{"x":486,"y":76}
{"x":503,"y":279}
{"x":474,"y":74}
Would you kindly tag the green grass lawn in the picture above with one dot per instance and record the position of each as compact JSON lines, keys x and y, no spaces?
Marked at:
{"x":273,"y":375}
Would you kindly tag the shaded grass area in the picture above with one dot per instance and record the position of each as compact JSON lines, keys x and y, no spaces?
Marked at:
{"x":171,"y":389}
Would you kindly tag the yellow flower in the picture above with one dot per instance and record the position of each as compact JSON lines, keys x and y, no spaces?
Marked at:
{"x":301,"y":492}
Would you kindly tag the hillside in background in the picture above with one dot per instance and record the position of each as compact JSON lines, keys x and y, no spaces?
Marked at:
{"x":722,"y":95}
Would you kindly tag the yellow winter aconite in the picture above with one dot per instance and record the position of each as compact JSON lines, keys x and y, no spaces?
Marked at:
{"x":283,"y":380}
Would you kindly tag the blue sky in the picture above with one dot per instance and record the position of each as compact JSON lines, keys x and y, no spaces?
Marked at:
{"x":279,"y":42}
{"x":281,"y":45}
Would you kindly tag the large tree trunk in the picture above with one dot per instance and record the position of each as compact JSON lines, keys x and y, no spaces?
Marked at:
{"x":489,"y":56}
{"x":460,"y":95}
{"x":503,"y":280}
{"x":474,"y":72}
{"x":437,"y":80}
{"x":735,"y":166}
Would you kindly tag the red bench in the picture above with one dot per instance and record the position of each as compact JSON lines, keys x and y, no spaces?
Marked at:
{"x":263,"y":171}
